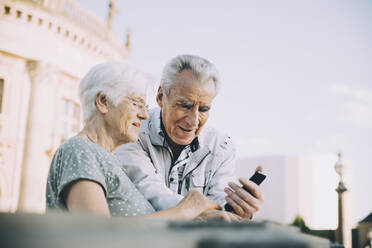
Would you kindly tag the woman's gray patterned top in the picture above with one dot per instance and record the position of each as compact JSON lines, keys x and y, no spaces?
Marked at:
{"x":78,"y":159}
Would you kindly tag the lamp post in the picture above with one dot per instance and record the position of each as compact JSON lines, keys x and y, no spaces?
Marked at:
{"x":340,"y":232}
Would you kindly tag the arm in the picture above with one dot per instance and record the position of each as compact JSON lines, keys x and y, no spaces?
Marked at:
{"x":214,"y":214}
{"x":88,"y":197}
{"x":142,"y":172}
{"x":194,"y":204}
{"x":224,"y":174}
{"x":243,"y":203}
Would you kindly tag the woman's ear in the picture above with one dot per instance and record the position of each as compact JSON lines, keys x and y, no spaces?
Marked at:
{"x":159,"y":96}
{"x":102,"y":104}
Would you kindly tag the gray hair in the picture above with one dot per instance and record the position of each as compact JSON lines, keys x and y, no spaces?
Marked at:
{"x":113,"y":79}
{"x":200,"y":67}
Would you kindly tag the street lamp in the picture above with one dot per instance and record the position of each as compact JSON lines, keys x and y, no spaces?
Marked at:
{"x":340,"y":232}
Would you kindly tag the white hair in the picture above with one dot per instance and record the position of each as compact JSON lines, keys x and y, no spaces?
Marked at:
{"x":201,"y":68}
{"x":113,"y":79}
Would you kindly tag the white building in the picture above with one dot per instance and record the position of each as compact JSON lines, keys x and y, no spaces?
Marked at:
{"x":46,"y":46}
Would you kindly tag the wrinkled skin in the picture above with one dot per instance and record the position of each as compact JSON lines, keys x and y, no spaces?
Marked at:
{"x":195,"y":203}
{"x":185,"y":109}
{"x":218,"y":215}
{"x":244,"y":203}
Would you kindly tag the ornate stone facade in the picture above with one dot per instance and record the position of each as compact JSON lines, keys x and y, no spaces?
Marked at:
{"x":45,"y":48}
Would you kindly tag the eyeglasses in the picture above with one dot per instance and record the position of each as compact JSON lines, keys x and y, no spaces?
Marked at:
{"x":138,"y":104}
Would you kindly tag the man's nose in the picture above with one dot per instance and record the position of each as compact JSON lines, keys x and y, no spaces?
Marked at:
{"x":192,"y":118}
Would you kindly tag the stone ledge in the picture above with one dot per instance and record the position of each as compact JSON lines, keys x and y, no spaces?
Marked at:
{"x":83,"y":231}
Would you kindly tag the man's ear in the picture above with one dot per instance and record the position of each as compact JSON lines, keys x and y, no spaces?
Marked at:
{"x":102,"y":104}
{"x":160,"y":96}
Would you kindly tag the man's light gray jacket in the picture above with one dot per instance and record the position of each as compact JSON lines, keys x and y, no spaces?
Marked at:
{"x":147,"y":163}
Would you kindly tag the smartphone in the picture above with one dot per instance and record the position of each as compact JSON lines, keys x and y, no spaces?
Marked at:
{"x":257,"y":178}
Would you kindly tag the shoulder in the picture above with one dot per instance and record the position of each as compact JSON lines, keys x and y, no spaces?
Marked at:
{"x":76,"y":144}
{"x":150,"y":134}
{"x":80,"y":156}
{"x":218,"y":142}
{"x":78,"y":149}
{"x":152,"y":123}
{"x":75,"y":141}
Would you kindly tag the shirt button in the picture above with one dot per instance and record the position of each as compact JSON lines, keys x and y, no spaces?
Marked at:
{"x":171,"y":179}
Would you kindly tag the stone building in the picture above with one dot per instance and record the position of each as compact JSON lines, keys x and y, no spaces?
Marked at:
{"x":364,"y":230}
{"x":46,"y":46}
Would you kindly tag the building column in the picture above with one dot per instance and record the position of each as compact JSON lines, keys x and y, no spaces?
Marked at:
{"x":38,"y":137}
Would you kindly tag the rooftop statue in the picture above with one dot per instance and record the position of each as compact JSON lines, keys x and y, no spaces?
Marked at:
{"x":112,"y":12}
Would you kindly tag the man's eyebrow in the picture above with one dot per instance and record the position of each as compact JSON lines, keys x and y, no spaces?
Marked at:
{"x":184,"y":101}
{"x":202,"y":104}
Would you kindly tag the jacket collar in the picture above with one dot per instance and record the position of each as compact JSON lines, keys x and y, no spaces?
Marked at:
{"x":154,"y":125}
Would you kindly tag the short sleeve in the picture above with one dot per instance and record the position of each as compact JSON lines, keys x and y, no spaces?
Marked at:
{"x":78,"y":162}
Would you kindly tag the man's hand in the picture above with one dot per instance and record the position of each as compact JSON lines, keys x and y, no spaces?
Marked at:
{"x":218,"y":215}
{"x":244,"y":203}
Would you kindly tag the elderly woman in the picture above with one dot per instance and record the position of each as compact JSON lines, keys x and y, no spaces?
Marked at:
{"x":85,"y":176}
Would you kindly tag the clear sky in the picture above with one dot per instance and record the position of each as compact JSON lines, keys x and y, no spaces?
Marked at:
{"x":297,"y":75}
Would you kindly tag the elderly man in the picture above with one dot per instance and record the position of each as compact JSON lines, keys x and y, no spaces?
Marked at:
{"x":175,"y":153}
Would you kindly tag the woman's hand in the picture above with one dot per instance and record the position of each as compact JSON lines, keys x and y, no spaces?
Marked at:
{"x":195,"y":203}
{"x":213,"y":214}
